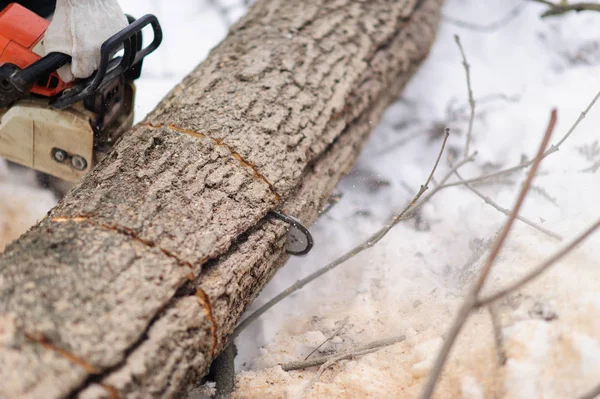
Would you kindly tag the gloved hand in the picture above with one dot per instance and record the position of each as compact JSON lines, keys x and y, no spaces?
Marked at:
{"x":78,"y":28}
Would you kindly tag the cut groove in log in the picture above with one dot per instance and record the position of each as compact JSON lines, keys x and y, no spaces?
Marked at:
{"x":133,"y":282}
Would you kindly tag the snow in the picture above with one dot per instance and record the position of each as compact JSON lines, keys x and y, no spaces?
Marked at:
{"x":413,"y":281}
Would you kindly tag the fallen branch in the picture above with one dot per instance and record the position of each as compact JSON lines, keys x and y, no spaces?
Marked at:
{"x":473,"y":293}
{"x":332,"y":336}
{"x":361,"y":350}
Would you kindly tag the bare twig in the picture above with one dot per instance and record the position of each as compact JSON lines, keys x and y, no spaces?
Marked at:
{"x":470,"y":93}
{"x":539,"y":269}
{"x":318,"y":375}
{"x":505,"y":211}
{"x":371,"y":241}
{"x":512,"y":14}
{"x":362,"y":350}
{"x":328,"y":339}
{"x":331,"y":360}
{"x":473,"y":292}
{"x":498,"y":336}
{"x":564,"y":7}
{"x":552,"y":149}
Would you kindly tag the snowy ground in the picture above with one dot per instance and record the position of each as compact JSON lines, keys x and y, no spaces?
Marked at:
{"x":412,"y":282}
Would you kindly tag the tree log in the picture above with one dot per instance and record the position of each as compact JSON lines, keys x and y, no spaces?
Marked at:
{"x":133,"y":282}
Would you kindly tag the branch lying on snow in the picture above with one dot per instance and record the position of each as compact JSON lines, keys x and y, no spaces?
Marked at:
{"x":471,"y":298}
{"x":505,"y":211}
{"x":408,"y":211}
{"x":361,"y":350}
{"x":332,"y":336}
{"x":331,"y":360}
{"x":555,"y":9}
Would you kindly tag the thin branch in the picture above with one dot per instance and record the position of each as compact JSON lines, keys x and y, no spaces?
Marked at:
{"x":505,"y":211}
{"x":328,"y":339}
{"x":361,"y":350}
{"x":470,"y":93}
{"x":563,"y":7}
{"x":473,"y":293}
{"x":371,"y":241}
{"x":317,"y":376}
{"x":498,"y":336}
{"x":493,"y":26}
{"x":552,"y":149}
{"x":374,"y":346}
{"x":369,"y":348}
{"x":539,"y":269}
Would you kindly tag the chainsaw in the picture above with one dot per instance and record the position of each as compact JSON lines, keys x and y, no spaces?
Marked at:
{"x":63,"y":129}
{"x":58,"y":128}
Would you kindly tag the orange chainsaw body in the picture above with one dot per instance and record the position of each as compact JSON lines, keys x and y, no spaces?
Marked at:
{"x":21,"y":35}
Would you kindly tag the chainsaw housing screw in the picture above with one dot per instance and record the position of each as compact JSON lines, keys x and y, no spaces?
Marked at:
{"x":59,"y":155}
{"x":78,"y":162}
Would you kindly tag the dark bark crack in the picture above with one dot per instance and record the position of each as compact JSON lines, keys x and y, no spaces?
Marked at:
{"x":45,"y":343}
{"x":96,"y":375}
{"x":99,"y":376}
{"x":204,"y":301}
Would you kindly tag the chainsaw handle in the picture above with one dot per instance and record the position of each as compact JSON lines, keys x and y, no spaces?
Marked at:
{"x":25,"y":78}
{"x":128,"y":37}
{"x":15,"y":83}
{"x":110,"y":68}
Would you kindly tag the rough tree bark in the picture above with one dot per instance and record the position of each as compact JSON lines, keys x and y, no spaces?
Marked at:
{"x":132,"y":283}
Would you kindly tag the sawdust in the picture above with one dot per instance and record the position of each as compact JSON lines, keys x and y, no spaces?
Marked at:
{"x":553,"y":351}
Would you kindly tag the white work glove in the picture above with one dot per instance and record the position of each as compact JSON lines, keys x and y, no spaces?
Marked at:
{"x":78,"y":28}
